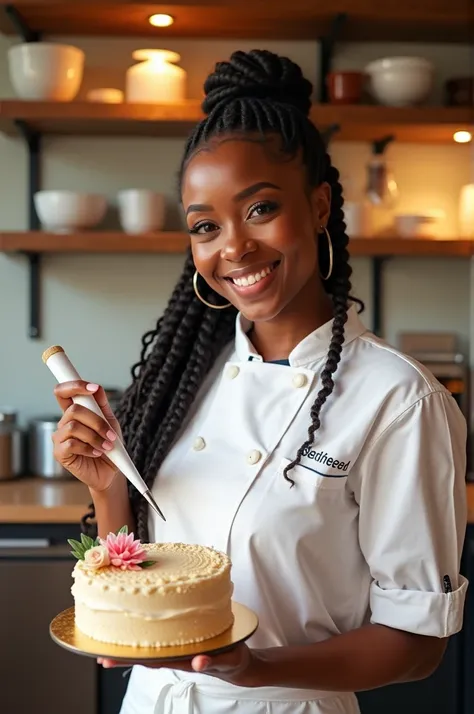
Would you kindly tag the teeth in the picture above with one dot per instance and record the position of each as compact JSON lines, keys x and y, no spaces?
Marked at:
{"x":252,"y":279}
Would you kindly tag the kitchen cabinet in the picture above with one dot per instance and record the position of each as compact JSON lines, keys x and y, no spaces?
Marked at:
{"x":38,"y":676}
{"x":468,"y":654}
{"x":113,"y":685}
{"x":439,"y":694}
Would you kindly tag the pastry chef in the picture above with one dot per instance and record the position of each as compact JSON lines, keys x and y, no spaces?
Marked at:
{"x":272,"y":425}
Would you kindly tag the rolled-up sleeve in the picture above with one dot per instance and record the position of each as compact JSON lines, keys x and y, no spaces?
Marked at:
{"x":411,"y":491}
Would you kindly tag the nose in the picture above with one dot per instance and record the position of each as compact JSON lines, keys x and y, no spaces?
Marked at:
{"x":236,"y":246}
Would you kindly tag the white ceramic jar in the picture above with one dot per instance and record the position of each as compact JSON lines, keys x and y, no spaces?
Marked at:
{"x":45,"y":71}
{"x":141,"y":210}
{"x":155,"y":80}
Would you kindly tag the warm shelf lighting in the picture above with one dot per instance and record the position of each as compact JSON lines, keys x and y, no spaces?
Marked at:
{"x":161,"y":20}
{"x":466,"y":211}
{"x":462,"y":137}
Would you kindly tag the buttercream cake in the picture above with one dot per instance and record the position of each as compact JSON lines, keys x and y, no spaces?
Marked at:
{"x":169,"y":594}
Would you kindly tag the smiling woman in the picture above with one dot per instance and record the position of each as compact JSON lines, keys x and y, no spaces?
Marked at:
{"x":272,"y":426}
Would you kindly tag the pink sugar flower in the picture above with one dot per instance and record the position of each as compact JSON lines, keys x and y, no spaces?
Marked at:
{"x":124,"y":551}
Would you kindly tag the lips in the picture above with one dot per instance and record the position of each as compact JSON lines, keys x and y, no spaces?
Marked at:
{"x":251,"y":282}
{"x":253,"y":278}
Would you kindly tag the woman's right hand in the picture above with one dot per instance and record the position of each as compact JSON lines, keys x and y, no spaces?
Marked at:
{"x":82,"y":438}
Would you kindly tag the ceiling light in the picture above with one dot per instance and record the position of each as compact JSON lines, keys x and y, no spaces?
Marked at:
{"x":462,"y":137}
{"x":160,"y":20}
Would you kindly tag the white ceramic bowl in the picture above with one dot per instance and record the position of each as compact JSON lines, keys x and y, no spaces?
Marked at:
{"x":68,"y":211}
{"x":45,"y":71}
{"x":401,"y":81}
{"x":415,"y":226}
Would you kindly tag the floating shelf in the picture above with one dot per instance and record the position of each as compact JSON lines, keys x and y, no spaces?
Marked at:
{"x":357,"y":122}
{"x":169,"y":242}
{"x":405,"y":20}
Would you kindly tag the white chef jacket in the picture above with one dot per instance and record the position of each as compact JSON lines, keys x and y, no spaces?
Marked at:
{"x":372,"y":530}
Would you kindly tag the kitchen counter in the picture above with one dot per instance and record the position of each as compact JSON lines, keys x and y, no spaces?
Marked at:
{"x":37,"y":500}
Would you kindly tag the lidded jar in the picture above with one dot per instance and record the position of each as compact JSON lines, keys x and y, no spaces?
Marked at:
{"x":155,"y":80}
{"x":11,"y":445}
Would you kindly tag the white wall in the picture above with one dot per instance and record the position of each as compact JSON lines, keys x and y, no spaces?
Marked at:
{"x":99,"y":306}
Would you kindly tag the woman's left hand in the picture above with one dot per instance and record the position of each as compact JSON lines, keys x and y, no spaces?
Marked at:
{"x":237,"y":666}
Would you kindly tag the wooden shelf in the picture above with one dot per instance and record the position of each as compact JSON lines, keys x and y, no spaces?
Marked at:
{"x":357,"y":122}
{"x":410,"y":247}
{"x":92,"y":242}
{"x":94,"y":119}
{"x":168,"y":242}
{"x":423,"y":20}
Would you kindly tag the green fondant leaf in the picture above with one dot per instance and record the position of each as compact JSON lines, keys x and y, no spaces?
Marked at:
{"x":147,"y":563}
{"x":87,"y":541}
{"x":74,"y":543}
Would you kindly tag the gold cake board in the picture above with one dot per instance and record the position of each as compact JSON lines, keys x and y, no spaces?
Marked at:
{"x":65,"y":633}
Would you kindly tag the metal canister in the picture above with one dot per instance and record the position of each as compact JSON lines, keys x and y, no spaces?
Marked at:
{"x":11,"y":446}
{"x":40,"y":449}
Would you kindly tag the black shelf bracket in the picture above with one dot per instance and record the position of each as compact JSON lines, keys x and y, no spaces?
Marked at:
{"x":19,"y":24}
{"x":33,"y":143}
{"x":326,"y":52}
{"x":377,"y":276}
{"x":328,"y":133}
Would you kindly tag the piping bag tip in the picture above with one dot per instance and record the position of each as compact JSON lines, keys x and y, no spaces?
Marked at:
{"x":147,"y":495}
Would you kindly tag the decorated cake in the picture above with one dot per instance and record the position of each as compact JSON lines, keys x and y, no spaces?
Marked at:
{"x":150,"y":595}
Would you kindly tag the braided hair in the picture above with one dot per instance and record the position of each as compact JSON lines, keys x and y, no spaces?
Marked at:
{"x":254,"y":94}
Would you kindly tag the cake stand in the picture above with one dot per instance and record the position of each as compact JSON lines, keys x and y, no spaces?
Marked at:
{"x":65,"y":633}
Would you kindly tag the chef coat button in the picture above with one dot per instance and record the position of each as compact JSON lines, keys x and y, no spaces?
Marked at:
{"x":199,"y":444}
{"x":233,"y":371}
{"x":299,"y":380}
{"x":254,"y":457}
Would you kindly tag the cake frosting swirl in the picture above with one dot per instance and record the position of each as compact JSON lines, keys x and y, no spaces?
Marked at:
{"x":182,"y":596}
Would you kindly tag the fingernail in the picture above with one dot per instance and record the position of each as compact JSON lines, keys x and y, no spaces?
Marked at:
{"x":111,"y":436}
{"x":97,"y":453}
{"x":92,"y":387}
{"x":107,"y":445}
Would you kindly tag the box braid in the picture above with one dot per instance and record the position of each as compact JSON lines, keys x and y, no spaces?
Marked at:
{"x":253,"y":96}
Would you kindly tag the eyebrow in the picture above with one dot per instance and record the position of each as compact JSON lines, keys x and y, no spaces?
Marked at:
{"x":255,"y":188}
{"x":245,"y":193}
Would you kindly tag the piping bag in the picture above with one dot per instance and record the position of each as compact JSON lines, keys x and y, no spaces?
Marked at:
{"x":60,"y":365}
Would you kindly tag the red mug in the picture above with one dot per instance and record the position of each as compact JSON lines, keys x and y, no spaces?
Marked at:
{"x":345,"y":87}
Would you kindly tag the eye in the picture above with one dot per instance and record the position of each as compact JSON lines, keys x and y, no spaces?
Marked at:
{"x":262,"y":208}
{"x":203,"y":227}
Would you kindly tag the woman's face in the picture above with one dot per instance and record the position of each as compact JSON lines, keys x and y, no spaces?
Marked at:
{"x":253,"y":224}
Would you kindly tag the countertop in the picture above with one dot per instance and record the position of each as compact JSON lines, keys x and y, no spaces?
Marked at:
{"x":36,"y":500}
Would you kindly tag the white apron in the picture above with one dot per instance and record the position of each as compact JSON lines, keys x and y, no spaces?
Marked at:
{"x":173,"y":692}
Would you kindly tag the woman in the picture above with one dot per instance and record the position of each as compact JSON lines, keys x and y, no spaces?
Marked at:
{"x":341,"y":501}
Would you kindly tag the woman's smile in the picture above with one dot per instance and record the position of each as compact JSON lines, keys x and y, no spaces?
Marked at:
{"x":252,"y":280}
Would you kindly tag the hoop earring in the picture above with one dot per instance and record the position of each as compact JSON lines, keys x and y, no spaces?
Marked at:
{"x":331,"y":254}
{"x":199,"y":296}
